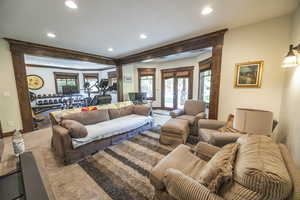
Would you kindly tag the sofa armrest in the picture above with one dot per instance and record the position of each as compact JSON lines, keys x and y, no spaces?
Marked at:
{"x":200,"y":115}
{"x":176,"y":113}
{"x":183,"y":187}
{"x":210,"y":124}
{"x":61,"y":140}
{"x":205,"y":151}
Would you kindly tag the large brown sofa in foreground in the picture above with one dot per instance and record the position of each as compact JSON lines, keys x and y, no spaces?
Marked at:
{"x":97,"y":130}
{"x":259,"y":170}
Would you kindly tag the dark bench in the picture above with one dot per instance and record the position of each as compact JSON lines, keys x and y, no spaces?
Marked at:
{"x":24,"y":183}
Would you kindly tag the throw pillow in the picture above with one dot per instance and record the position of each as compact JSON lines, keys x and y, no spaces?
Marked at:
{"x":228,"y":126}
{"x":219,"y":169}
{"x":142,"y":110}
{"x":76,"y":129}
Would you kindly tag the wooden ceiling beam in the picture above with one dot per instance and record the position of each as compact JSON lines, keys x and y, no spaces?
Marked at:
{"x":48,"y":51}
{"x":199,"y":42}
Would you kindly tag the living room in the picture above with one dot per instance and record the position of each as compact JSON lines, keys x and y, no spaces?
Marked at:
{"x":183,"y":52}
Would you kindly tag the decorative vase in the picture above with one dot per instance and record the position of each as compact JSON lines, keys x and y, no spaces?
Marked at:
{"x":18,"y":143}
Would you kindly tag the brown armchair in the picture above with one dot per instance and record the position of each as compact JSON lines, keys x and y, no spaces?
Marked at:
{"x":193,"y":111}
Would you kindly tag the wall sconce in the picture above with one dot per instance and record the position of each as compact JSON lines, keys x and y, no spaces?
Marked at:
{"x":291,"y":59}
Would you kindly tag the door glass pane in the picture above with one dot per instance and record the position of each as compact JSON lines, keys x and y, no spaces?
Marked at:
{"x":205,"y":83}
{"x":182,"y":93}
{"x":204,"y":88}
{"x":147,"y":85}
{"x":169,"y":92}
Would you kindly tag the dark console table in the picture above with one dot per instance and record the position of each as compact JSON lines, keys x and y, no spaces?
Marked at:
{"x":25,"y":183}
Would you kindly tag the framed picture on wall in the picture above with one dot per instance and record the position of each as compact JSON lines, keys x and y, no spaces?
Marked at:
{"x":35,"y":82}
{"x":249,"y":74}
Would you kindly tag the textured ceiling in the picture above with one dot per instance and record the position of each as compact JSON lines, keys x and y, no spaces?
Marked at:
{"x":99,"y":24}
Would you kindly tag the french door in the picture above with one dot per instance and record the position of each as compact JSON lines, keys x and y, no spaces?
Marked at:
{"x":177,"y":86}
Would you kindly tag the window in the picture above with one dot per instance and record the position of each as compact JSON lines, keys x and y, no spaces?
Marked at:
{"x":147,"y":82}
{"x":92,"y":79}
{"x":66,"y":79}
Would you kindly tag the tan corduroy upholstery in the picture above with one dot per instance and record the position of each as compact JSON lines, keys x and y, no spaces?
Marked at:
{"x":184,"y":187}
{"x":263,"y":170}
{"x":193,"y":111}
{"x":174,"y":132}
{"x":252,"y":121}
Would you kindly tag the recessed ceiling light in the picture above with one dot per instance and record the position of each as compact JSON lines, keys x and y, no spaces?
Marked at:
{"x":206,"y":10}
{"x":51,"y":35}
{"x":110,"y":49}
{"x":71,"y":4}
{"x":143,"y":36}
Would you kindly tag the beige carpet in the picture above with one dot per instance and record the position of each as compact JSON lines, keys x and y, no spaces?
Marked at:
{"x":119,"y":172}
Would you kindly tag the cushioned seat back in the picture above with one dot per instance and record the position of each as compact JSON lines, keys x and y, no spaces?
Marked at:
{"x":260,"y":167}
{"x":193,"y":107}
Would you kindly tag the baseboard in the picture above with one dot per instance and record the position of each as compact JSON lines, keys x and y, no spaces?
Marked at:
{"x":10,"y":133}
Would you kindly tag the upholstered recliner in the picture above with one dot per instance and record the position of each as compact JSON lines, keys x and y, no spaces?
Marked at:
{"x":252,"y":121}
{"x":261,"y":170}
{"x":193,"y":111}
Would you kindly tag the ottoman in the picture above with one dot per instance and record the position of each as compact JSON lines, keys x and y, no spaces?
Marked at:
{"x":174,"y":132}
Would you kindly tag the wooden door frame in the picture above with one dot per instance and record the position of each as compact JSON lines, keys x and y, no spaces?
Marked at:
{"x":190,"y":70}
{"x":214,"y":40}
{"x":19,"y":49}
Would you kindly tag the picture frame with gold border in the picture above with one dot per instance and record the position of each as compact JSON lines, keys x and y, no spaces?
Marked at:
{"x":249,"y":74}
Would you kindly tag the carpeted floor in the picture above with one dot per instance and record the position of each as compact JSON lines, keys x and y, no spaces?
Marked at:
{"x":119,"y":172}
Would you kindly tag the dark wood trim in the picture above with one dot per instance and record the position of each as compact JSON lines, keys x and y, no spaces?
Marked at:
{"x":148,"y":72}
{"x":22,"y":90}
{"x":68,"y":68}
{"x":19,"y":49}
{"x":67,"y":75}
{"x":215,"y":80}
{"x":190,"y":76}
{"x":8,"y":134}
{"x":44,"y":50}
{"x":199,"y":42}
{"x":119,"y":81}
{"x":205,"y":64}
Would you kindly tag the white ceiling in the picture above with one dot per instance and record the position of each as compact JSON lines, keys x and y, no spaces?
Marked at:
{"x":99,"y":24}
{"x":65,"y":63}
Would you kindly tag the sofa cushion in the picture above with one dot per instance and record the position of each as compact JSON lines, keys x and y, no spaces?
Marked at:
{"x":261,"y":168}
{"x":189,"y":118}
{"x":76,"y":129}
{"x":128,"y":110}
{"x":87,"y":118}
{"x":219,"y":169}
{"x":114,"y":113}
{"x":182,"y":159}
{"x":177,"y":126}
{"x":193,"y":107}
{"x":142,"y":110}
{"x":111,"y":127}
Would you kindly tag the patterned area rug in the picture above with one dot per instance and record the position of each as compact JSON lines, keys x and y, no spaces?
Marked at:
{"x":119,"y":172}
{"x":122,"y":170}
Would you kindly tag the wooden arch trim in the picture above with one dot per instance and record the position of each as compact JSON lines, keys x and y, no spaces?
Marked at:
{"x":19,"y":49}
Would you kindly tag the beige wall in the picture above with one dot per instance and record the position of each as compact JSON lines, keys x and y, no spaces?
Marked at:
{"x":290,"y":113}
{"x":130,"y":71}
{"x":9,"y":104}
{"x":265,"y":41}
